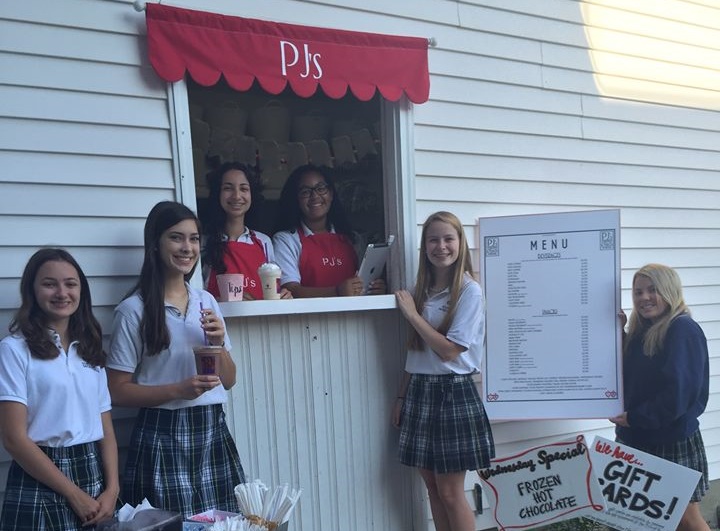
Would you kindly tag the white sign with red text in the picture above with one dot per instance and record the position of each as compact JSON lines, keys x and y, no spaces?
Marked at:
{"x":641,"y":491}
{"x":544,"y":484}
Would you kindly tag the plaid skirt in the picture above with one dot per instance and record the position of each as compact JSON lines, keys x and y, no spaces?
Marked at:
{"x":443,"y":425}
{"x":183,"y":460}
{"x":31,"y":506}
{"x":689,"y":453}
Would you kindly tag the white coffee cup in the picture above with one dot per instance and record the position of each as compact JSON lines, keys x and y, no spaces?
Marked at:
{"x":269,"y":274}
{"x":230,"y":286}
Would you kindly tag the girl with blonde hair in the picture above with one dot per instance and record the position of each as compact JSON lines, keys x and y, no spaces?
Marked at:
{"x":666,"y":380}
{"x":444,"y":430}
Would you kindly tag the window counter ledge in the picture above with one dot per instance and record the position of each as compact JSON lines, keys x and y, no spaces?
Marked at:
{"x":315,"y":305}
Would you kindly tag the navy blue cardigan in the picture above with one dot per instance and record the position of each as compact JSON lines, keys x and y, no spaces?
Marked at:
{"x":665,"y":394}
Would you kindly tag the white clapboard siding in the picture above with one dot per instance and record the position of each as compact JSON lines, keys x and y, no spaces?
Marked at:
{"x":76,"y":231}
{"x":107,"y":15}
{"x":80,"y":43}
{"x":76,"y":74}
{"x":599,"y":195}
{"x":457,"y":140}
{"x":83,"y":138}
{"x":85,"y":147}
{"x":52,"y":104}
{"x":88,"y":170}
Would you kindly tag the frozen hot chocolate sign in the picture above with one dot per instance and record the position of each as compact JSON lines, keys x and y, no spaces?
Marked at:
{"x":541,"y":485}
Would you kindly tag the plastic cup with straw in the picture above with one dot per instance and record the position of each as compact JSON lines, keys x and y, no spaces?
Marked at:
{"x":207,"y":356}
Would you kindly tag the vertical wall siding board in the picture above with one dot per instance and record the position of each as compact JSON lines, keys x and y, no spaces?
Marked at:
{"x":314,"y":443}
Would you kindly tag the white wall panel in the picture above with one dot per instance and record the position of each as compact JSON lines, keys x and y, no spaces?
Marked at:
{"x":115,"y":16}
{"x":530,"y":25}
{"x":490,"y":93}
{"x":73,"y":74}
{"x":582,"y":195}
{"x":573,"y":149}
{"x":312,"y":408}
{"x":83,"y":138}
{"x":95,"y":170}
{"x":81,"y":107}
{"x":76,"y":43}
{"x":90,"y":201}
{"x":649,"y":113}
{"x":458,"y":64}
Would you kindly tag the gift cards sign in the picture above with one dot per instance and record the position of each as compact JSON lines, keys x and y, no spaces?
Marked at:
{"x":541,"y":485}
{"x":641,"y":491}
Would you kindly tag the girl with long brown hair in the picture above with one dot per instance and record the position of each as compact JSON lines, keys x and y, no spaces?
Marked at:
{"x":54,"y":404}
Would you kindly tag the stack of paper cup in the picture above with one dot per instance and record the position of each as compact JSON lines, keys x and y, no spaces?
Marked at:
{"x":269,"y":274}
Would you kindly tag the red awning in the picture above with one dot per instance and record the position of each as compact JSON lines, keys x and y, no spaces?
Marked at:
{"x":208,"y":45}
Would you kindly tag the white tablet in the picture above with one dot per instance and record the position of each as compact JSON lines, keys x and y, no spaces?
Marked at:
{"x":373,"y":263}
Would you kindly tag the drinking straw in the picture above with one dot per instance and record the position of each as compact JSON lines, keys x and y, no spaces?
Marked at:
{"x":202,"y":316}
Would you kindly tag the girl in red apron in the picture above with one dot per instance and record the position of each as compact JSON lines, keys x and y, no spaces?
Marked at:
{"x":232,"y":247}
{"x":313,"y":239}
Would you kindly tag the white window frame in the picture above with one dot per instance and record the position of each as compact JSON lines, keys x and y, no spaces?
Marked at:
{"x":399,"y":190}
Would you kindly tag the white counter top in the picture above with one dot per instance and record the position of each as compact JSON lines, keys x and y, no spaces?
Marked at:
{"x":315,"y":305}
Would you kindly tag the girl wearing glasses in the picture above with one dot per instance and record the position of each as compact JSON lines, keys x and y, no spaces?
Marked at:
{"x":313,"y":239}
{"x":231,"y":246}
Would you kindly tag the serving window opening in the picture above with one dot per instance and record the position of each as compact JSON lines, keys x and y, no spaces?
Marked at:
{"x":277,"y":133}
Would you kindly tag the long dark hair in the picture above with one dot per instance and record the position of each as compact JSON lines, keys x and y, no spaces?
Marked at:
{"x":31,"y":321}
{"x":215,"y":224}
{"x":426,"y":274}
{"x":151,"y":284}
{"x":289,"y":215}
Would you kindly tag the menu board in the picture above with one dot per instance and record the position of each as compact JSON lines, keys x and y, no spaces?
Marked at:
{"x":552,"y":289}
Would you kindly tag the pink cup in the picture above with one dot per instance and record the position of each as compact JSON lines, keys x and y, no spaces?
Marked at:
{"x":230,"y":286}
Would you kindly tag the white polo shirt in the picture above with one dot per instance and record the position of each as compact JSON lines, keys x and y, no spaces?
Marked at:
{"x":172,"y":365}
{"x":64,"y":396}
{"x":467,"y":329}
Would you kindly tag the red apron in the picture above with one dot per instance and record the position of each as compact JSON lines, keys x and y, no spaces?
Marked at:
{"x":245,"y":259}
{"x":326,"y":259}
